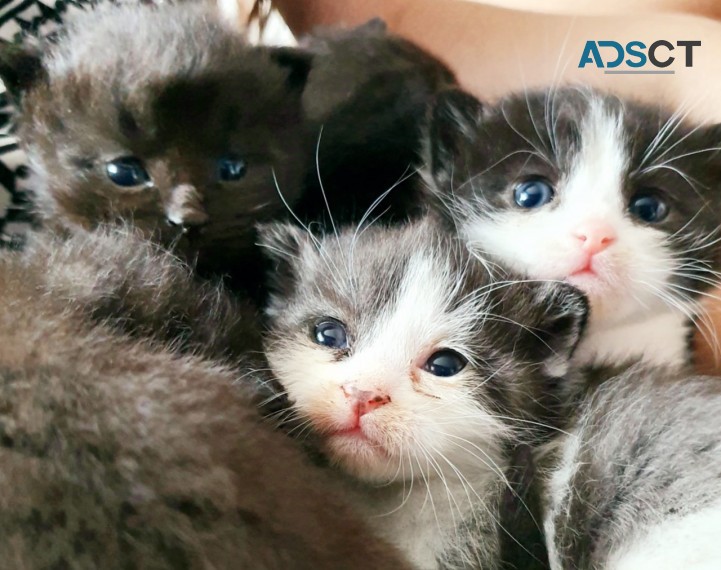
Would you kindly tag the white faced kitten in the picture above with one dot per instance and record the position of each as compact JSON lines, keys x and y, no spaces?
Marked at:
{"x":618,"y":199}
{"x":417,"y":373}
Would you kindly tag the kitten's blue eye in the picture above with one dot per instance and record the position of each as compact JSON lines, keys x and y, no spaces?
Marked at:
{"x":331,"y":333}
{"x":127,"y":171}
{"x":445,"y":363}
{"x":533,"y":193}
{"x":648,"y":208}
{"x":231,"y":168}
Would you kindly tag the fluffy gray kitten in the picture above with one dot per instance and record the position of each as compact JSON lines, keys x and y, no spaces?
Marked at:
{"x":635,"y":483}
{"x":123,"y":445}
{"x":417,"y":375}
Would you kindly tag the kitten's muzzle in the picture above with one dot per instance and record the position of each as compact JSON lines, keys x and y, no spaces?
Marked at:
{"x":185,"y":208}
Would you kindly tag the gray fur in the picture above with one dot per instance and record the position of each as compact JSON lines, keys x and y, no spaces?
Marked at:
{"x":124,"y":448}
{"x":643,"y":450}
{"x":121,"y":280}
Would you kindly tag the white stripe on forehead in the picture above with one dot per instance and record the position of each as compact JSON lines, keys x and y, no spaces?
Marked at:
{"x":419,"y":314}
{"x":594,"y":185}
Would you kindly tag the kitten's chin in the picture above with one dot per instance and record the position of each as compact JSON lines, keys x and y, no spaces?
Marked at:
{"x":362,"y":458}
{"x":606,"y":302}
{"x":614,"y":301}
{"x":592,"y":284}
{"x":606,"y":288}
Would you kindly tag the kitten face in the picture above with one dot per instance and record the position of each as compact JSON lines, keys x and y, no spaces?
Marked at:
{"x":130,"y":116}
{"x":402,"y":355}
{"x":614,"y":198}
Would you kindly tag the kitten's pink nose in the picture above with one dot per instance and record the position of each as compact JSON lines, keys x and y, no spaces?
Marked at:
{"x":594,"y":235}
{"x":365,"y":401}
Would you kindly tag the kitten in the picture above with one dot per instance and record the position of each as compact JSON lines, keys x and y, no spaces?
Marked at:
{"x":634,"y":485}
{"x":616,"y":198}
{"x":365,"y":101}
{"x":119,"y":451}
{"x":164,"y":116}
{"x":417,"y":376}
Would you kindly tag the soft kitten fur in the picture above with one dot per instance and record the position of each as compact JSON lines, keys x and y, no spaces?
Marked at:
{"x":176,"y":89}
{"x":366,"y":99}
{"x":598,"y":153}
{"x":115,"y":277}
{"x":122,"y":452}
{"x":636,"y":482}
{"x":427,"y":462}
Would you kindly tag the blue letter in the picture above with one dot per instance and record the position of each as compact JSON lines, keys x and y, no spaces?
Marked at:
{"x":635,"y":53}
{"x":591,"y":55}
{"x":619,"y":52}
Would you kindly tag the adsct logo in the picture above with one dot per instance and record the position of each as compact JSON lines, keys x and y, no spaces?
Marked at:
{"x":639,"y":59}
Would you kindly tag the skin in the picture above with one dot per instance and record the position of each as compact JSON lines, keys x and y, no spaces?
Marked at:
{"x":520,"y":50}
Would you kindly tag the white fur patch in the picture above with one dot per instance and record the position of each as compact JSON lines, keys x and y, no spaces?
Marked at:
{"x":557,"y":488}
{"x":425,"y":527}
{"x":661,"y":338}
{"x":688,"y":543}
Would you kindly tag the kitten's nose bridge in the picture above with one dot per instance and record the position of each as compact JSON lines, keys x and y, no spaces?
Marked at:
{"x":185,"y":207}
{"x":365,"y":400}
{"x":594,"y":235}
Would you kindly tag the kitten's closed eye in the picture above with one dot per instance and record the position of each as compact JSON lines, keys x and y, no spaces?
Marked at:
{"x":331,"y":333}
{"x":533,"y":193}
{"x":127,"y":172}
{"x":231,"y":168}
{"x":647,"y":206}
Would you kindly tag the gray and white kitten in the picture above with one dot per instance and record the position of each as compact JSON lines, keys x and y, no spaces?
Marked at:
{"x":619,"y":199}
{"x":122,"y":445}
{"x":635,"y":483}
{"x":417,"y":374}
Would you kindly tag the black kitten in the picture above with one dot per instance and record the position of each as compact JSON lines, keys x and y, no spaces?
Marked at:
{"x":162,"y":116}
{"x":366,"y":100}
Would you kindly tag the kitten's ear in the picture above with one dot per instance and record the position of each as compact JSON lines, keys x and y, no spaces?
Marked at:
{"x":373,"y":27}
{"x":453,"y":122}
{"x":297,"y":62}
{"x":20,"y":67}
{"x":557,"y":316}
{"x":282,"y":245}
